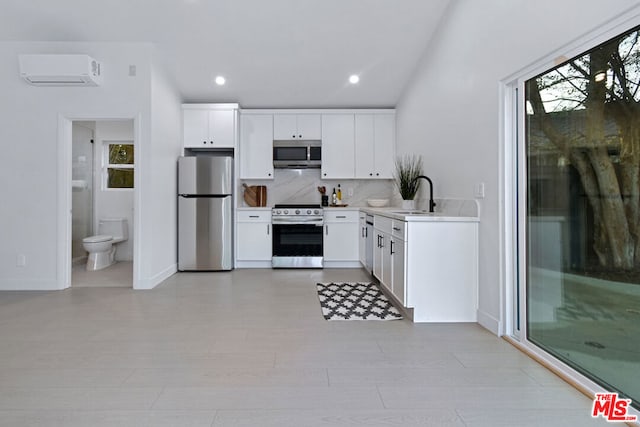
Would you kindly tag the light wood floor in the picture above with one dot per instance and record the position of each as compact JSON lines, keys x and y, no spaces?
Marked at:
{"x":251,"y":348}
{"x":118,"y":275}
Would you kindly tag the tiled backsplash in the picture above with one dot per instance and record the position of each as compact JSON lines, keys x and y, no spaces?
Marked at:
{"x":301,"y":186}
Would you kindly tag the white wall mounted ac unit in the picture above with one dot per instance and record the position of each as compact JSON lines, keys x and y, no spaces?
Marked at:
{"x":60,"y":70}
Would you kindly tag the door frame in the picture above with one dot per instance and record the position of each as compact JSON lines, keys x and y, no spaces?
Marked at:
{"x":64,"y":214}
{"x":513,"y":176}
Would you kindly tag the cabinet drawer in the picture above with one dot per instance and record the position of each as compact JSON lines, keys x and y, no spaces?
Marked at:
{"x":254,"y":216}
{"x":383,"y":223}
{"x":341,"y":216}
{"x":399,"y":229}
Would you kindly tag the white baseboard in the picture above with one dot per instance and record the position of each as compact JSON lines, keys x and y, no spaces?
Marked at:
{"x":158,"y":278}
{"x":253,"y":264}
{"x":489,"y":322}
{"x":342,"y":264}
{"x":29,"y":285}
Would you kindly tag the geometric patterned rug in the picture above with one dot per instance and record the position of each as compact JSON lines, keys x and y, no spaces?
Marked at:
{"x":355,"y":301}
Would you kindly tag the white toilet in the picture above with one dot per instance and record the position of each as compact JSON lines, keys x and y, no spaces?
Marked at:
{"x":101,"y":248}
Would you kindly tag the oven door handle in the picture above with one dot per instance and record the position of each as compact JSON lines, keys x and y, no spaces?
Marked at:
{"x":319,"y":223}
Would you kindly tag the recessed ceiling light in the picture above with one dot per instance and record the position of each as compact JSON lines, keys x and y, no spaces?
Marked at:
{"x":220,"y":80}
{"x":353,"y":79}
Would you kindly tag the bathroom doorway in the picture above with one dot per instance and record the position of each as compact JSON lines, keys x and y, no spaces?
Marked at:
{"x":103,"y":163}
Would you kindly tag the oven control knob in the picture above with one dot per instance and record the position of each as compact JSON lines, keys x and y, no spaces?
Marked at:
{"x":297,"y":211}
{"x":286,"y":212}
{"x":309,"y":212}
{"x":316,"y":212}
{"x":278,"y":212}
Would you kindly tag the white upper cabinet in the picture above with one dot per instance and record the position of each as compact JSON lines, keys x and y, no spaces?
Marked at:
{"x":256,"y":146}
{"x":338,"y":146}
{"x":374,"y":145}
{"x":356,"y":144}
{"x":296,"y":126}
{"x":209,"y":125}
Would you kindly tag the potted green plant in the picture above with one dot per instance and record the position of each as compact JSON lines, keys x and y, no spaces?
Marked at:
{"x":408,"y":168}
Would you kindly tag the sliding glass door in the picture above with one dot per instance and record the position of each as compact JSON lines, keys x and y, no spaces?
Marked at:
{"x":582,"y":226}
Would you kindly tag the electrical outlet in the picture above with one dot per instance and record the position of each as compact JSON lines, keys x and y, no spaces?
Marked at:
{"x":21,"y":260}
{"x":479,"y":190}
{"x":350,"y":191}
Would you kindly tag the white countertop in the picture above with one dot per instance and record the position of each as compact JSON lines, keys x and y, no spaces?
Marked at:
{"x":249,"y":208}
{"x":452,"y":211}
{"x":397,"y":213}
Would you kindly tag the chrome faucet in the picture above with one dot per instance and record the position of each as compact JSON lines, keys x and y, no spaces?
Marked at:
{"x":432,"y":204}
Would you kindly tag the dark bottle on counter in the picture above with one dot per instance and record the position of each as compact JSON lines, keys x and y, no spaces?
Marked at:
{"x":334,"y":197}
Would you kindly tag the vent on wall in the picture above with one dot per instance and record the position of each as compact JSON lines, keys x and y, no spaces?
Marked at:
{"x":60,"y":70}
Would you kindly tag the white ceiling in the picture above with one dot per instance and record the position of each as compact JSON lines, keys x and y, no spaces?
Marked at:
{"x":273,"y":53}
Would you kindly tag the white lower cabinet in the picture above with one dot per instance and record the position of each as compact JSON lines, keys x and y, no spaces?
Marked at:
{"x":362,"y":239}
{"x":340,"y":240}
{"x":389,"y":257}
{"x":253,"y":238}
{"x":398,"y":250}
{"x":430,"y":267}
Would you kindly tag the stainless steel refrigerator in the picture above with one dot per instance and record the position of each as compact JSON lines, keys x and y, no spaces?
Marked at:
{"x":205,"y":213}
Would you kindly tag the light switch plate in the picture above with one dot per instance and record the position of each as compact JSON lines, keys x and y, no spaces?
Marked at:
{"x":479,"y":190}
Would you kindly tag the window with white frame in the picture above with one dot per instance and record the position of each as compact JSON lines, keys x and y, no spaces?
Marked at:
{"x":118,"y":164}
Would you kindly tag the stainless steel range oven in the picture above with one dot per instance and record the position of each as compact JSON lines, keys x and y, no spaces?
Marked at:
{"x":297,"y":236}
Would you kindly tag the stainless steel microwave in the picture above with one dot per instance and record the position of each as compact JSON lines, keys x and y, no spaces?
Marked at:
{"x":297,"y":154}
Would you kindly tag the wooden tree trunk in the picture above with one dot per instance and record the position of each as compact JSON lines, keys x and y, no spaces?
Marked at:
{"x":580,"y":161}
{"x":630,"y":182}
{"x":613,"y":212}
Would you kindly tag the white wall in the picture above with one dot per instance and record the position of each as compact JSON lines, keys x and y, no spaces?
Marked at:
{"x":113,"y":203}
{"x":159,"y":179}
{"x":29,"y":138}
{"x":449,"y":111}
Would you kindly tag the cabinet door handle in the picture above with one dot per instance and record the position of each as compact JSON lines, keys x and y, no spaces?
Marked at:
{"x":340,"y":216}
{"x":391,"y":246}
{"x":254,"y":216}
{"x":326,"y":230}
{"x":366,"y":232}
{"x":362,"y":232}
{"x":268,"y":226}
{"x":396,"y":228}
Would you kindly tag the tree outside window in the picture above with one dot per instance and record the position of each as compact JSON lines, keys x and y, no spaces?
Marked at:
{"x":119,"y":165}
